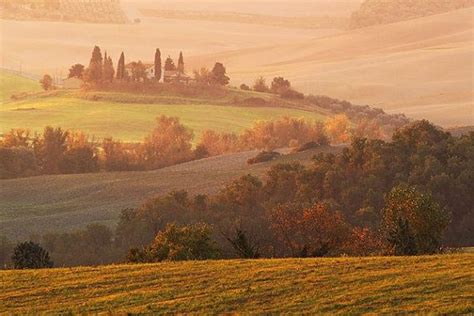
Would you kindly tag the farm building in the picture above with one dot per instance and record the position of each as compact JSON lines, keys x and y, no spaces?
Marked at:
{"x":72,"y":83}
{"x":175,"y":76}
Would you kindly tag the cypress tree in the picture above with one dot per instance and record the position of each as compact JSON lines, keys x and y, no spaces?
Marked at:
{"x":108,"y":71}
{"x":157,"y":65}
{"x":105,"y":58}
{"x":121,"y":67}
{"x":181,"y":63}
{"x":94,"y":72}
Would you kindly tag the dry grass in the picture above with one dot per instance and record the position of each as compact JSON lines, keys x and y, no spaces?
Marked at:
{"x":68,"y":202}
{"x":384,"y":285}
{"x":422,"y":67}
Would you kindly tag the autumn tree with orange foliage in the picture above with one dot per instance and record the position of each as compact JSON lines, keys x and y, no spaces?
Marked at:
{"x":284,"y":132}
{"x":366,"y":128}
{"x":364,"y":242}
{"x":310,"y":232}
{"x":16,"y":137}
{"x":169,"y":143}
{"x":338,"y":129}
{"x":218,"y":143}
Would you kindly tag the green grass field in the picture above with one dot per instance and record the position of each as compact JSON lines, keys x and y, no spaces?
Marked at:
{"x":11,"y":84}
{"x":381,"y":285}
{"x":132,"y":121}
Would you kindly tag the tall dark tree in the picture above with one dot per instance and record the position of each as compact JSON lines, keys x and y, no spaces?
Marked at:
{"x":157,"y":65}
{"x":121,"y":67}
{"x":28,"y":255}
{"x":94,"y":72}
{"x":105,"y":58}
{"x":76,"y":71}
{"x":218,"y":74}
{"x":108,"y":71}
{"x":181,"y":63}
{"x":169,"y":64}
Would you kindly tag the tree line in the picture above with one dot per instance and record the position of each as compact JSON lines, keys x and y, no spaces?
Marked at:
{"x":59,"y":151}
{"x":410,"y":196}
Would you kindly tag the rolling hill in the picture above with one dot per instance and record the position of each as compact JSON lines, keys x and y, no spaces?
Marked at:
{"x":130,"y":117}
{"x":374,"y":12}
{"x":442,"y":284}
{"x":421,"y":67}
{"x":13,"y":84}
{"x":42,"y":204}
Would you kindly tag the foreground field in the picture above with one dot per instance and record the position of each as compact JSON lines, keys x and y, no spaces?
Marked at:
{"x":436,"y":284}
{"x":43,"y":204}
{"x":132,"y":121}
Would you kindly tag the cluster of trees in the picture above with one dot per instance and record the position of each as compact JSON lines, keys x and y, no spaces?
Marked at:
{"x":367,"y":118}
{"x":373,"y":12}
{"x":101,"y":72}
{"x":279,"y":85}
{"x":57,"y":151}
{"x":266,"y":135}
{"x":410,"y":196}
{"x":54,"y":151}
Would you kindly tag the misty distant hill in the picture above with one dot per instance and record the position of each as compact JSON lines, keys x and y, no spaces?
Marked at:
{"x":94,"y":11}
{"x":373,"y":12}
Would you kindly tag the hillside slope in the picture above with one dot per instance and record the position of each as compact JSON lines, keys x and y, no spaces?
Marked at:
{"x":42,"y":204}
{"x":374,"y":12}
{"x":130,"y":117}
{"x":13,"y":84}
{"x":396,"y":285}
{"x":422,"y":67}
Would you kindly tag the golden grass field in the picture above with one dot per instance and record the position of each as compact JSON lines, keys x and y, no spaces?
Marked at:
{"x":441,"y":284}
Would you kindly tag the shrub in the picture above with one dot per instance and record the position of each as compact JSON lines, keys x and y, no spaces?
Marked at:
{"x":279,"y":85}
{"x":263,"y":156}
{"x":243,"y":246}
{"x":306,"y":146}
{"x":291,"y":94}
{"x":29,"y":255}
{"x":254,"y":101}
{"x":260,"y":85}
{"x":413,"y":222}
{"x":177,"y":243}
{"x":201,"y":152}
{"x":245,"y":87}
{"x":47,"y":82}
{"x":17,"y":162}
{"x":310,"y":232}
{"x":218,"y":143}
